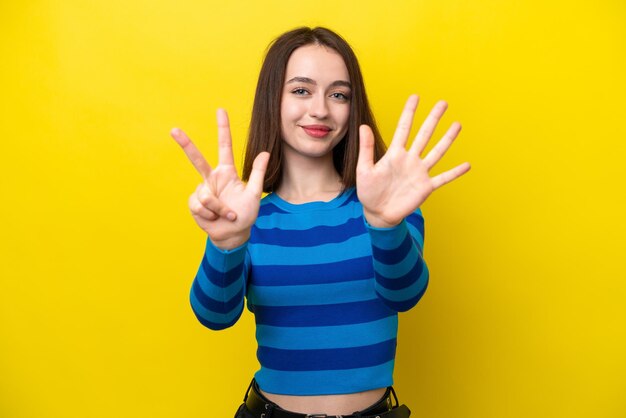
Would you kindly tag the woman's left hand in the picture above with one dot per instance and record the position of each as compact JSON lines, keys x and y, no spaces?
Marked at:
{"x":396,"y":185}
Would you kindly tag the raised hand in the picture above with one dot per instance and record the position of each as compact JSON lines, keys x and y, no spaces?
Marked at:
{"x":400,"y":182}
{"x":222,"y":205}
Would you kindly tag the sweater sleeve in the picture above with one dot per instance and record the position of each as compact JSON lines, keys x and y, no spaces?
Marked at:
{"x":401,"y":274}
{"x":217,"y":293}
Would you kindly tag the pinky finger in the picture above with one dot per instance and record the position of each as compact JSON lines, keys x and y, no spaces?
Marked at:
{"x":452,"y":174}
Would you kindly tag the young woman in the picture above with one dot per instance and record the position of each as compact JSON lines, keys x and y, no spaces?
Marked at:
{"x":331,"y":255}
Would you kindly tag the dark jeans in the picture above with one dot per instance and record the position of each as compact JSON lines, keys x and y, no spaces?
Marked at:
{"x":243,"y":411}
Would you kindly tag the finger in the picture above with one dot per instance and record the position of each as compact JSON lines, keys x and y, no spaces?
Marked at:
{"x":198,"y":210}
{"x":208,"y":199}
{"x":428,"y":127}
{"x":366,"y":149}
{"x":257,"y":175}
{"x":442,"y":146}
{"x":224,"y":140}
{"x":194,"y":155}
{"x":450,"y":175}
{"x":401,"y":135}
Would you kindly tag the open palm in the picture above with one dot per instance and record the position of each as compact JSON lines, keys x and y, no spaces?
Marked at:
{"x":400,"y":182}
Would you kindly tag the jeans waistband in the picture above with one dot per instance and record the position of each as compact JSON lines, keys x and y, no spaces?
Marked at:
{"x":261,"y":407}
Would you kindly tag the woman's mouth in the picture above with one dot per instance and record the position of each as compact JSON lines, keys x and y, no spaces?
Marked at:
{"x":316,"y":131}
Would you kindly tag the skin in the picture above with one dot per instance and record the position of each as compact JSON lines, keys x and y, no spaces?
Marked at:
{"x":316,"y":94}
{"x":389,"y":190}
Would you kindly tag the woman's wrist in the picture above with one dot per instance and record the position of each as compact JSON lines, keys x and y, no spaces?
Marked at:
{"x":231,"y":243}
{"x":378,"y":221}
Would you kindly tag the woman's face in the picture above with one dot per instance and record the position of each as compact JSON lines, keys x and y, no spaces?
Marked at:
{"x":315,"y":104}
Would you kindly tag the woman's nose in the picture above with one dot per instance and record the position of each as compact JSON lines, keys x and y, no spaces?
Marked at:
{"x":318,"y":108}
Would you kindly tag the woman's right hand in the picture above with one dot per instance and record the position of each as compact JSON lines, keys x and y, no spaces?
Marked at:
{"x":222,"y":205}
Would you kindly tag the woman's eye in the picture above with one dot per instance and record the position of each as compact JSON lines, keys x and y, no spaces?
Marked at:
{"x":339,"y":96}
{"x":300,"y":92}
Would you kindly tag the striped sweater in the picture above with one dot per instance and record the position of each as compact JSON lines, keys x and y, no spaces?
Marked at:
{"x":325,"y":288}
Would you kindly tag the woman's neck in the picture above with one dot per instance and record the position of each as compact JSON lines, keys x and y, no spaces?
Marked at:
{"x":307,"y":180}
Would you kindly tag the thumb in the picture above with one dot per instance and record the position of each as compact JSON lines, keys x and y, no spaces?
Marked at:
{"x":257,"y":175}
{"x":366,"y":149}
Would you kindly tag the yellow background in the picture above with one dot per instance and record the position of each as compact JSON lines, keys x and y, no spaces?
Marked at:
{"x":526,"y":311}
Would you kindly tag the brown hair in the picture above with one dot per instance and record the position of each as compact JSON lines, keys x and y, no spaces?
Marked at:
{"x":265,"y":125}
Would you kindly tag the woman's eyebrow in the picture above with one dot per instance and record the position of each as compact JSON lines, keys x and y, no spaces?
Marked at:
{"x":342,"y":83}
{"x":302,"y":80}
{"x":308,"y":80}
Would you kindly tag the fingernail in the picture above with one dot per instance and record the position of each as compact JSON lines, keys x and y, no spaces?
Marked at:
{"x":231,"y":216}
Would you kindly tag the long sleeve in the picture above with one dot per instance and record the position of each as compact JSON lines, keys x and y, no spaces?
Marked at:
{"x":325,"y":290}
{"x":217,"y":293}
{"x":400,"y":270}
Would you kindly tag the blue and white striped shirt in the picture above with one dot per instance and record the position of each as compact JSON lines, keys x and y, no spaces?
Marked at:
{"x":325,"y":289}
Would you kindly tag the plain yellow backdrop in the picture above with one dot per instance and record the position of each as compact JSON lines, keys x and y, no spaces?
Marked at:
{"x":525,"y":315}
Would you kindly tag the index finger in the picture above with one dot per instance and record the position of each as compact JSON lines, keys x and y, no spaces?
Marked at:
{"x":194,"y":155}
{"x":405,"y":122}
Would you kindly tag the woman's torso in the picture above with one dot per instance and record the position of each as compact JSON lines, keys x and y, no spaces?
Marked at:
{"x":321,"y":328}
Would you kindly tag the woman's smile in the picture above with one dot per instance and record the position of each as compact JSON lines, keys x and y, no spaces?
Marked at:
{"x":316,"y":131}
